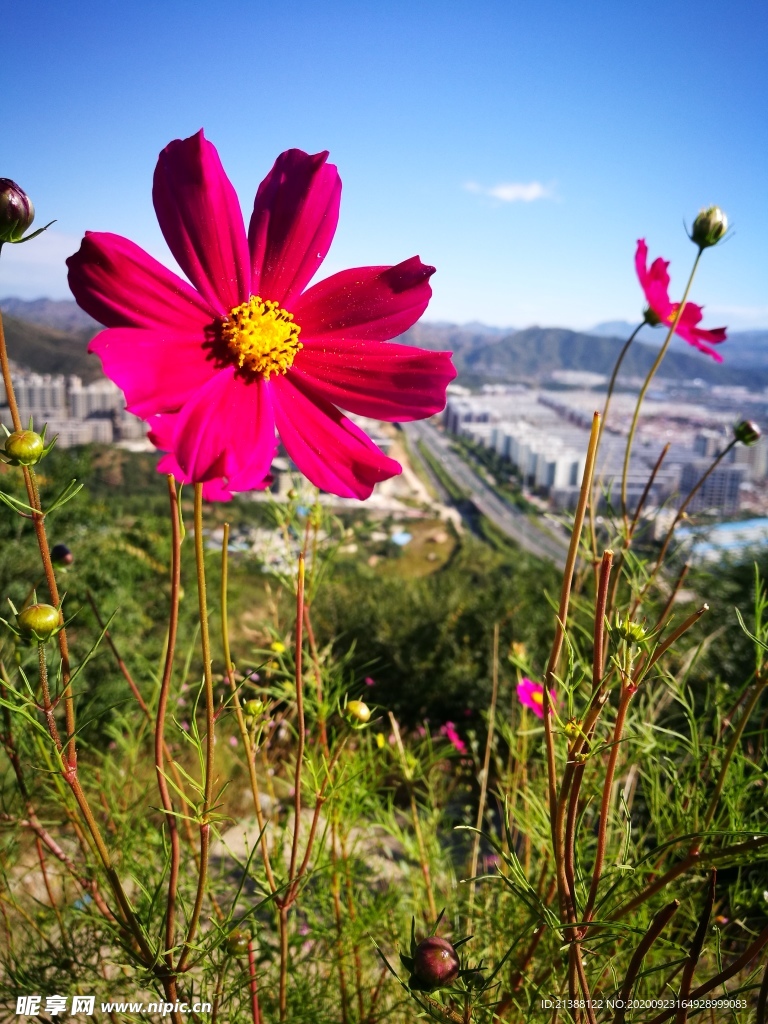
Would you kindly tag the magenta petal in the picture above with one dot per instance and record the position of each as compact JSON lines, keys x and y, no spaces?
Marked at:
{"x":227,"y":427}
{"x":654,"y":282}
{"x":331,"y":451}
{"x":157,"y":370}
{"x":293,"y":222}
{"x":378,"y":379}
{"x":201,"y":219}
{"x":370,"y":302}
{"x":120,"y":285}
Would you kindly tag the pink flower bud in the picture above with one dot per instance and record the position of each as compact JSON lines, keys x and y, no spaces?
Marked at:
{"x":16,"y":211}
{"x":435,"y":962}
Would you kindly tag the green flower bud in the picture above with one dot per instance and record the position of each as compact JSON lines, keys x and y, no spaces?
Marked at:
{"x":24,"y":447}
{"x":253,"y":708}
{"x":709,"y":227}
{"x":630,"y":631}
{"x":236,"y":943}
{"x":572,"y":728}
{"x":747,"y":432}
{"x":435,"y":963}
{"x":16,"y":211}
{"x":358,"y":710}
{"x":38,"y":622}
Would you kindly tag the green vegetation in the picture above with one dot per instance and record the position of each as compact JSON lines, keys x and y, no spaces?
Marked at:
{"x":394,"y":796}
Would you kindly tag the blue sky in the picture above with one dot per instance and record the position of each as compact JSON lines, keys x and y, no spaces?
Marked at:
{"x":520,"y":147}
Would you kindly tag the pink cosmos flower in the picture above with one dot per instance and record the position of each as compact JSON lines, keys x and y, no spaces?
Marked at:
{"x":655,"y":284}
{"x":449,"y":731}
{"x":531,"y":695}
{"x":217,"y":365}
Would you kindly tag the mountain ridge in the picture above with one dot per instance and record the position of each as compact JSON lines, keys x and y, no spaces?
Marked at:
{"x":57,"y":342}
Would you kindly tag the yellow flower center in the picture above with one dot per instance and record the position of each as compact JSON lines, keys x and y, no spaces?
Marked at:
{"x":537,"y":697}
{"x":261,"y":336}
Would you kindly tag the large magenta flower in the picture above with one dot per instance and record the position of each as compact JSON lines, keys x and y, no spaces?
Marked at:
{"x":216,"y":365}
{"x":655,"y":284}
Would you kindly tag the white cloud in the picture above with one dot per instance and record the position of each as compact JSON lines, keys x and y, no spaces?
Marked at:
{"x":513,"y":191}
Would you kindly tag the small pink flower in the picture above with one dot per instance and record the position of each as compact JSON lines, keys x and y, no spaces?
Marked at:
{"x":369,"y":681}
{"x":219,"y":365}
{"x":531,"y":695}
{"x":449,"y":731}
{"x":655,"y":284}
{"x":233,"y":741}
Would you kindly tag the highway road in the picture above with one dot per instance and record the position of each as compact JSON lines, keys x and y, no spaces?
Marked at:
{"x":514,"y":523}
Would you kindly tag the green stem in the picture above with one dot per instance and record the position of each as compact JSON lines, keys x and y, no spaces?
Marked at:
{"x":557,"y":646}
{"x":205,"y":825}
{"x":160,"y":746}
{"x":647,"y":384}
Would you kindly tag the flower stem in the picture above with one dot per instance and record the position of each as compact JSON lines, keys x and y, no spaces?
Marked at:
{"x":162,"y":705}
{"x":486,"y":767}
{"x":205,"y":643}
{"x":647,"y":383}
{"x":557,"y":646}
{"x":609,"y":394}
{"x":248,"y":744}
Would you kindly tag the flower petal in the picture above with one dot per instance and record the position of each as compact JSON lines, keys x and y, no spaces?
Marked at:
{"x":226,"y":428}
{"x":331,"y":451}
{"x":293,"y":222}
{"x":120,"y":285}
{"x":369,"y":302}
{"x":654,"y":282}
{"x":378,"y":379}
{"x":158,"y":370}
{"x":202,"y":222}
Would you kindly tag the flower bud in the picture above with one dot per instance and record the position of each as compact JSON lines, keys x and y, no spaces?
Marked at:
{"x":358,"y":710}
{"x":253,"y":708}
{"x":709,"y":227}
{"x":435,"y":962}
{"x":572,"y":728}
{"x":38,"y":622}
{"x":61,"y":555}
{"x":24,"y":447}
{"x":236,"y":943}
{"x":631,"y":632}
{"x":16,"y":211}
{"x":747,"y":432}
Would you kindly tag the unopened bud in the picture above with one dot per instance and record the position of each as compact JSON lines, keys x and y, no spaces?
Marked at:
{"x":24,"y":447}
{"x":572,"y":728}
{"x":253,"y":708}
{"x":61,"y":555}
{"x":16,"y":211}
{"x":709,"y":227}
{"x":38,"y":622}
{"x":358,"y":710}
{"x":631,"y":632}
{"x":435,"y":963}
{"x":236,"y":943}
{"x":747,"y":432}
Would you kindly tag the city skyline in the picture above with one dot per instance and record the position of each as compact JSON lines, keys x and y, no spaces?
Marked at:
{"x":522,"y":151}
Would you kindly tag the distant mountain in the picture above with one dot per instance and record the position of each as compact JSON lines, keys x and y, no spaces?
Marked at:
{"x":50,"y":351}
{"x":536,"y":352}
{"x":743,"y":349}
{"x":61,"y":314}
{"x":51,"y":337}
